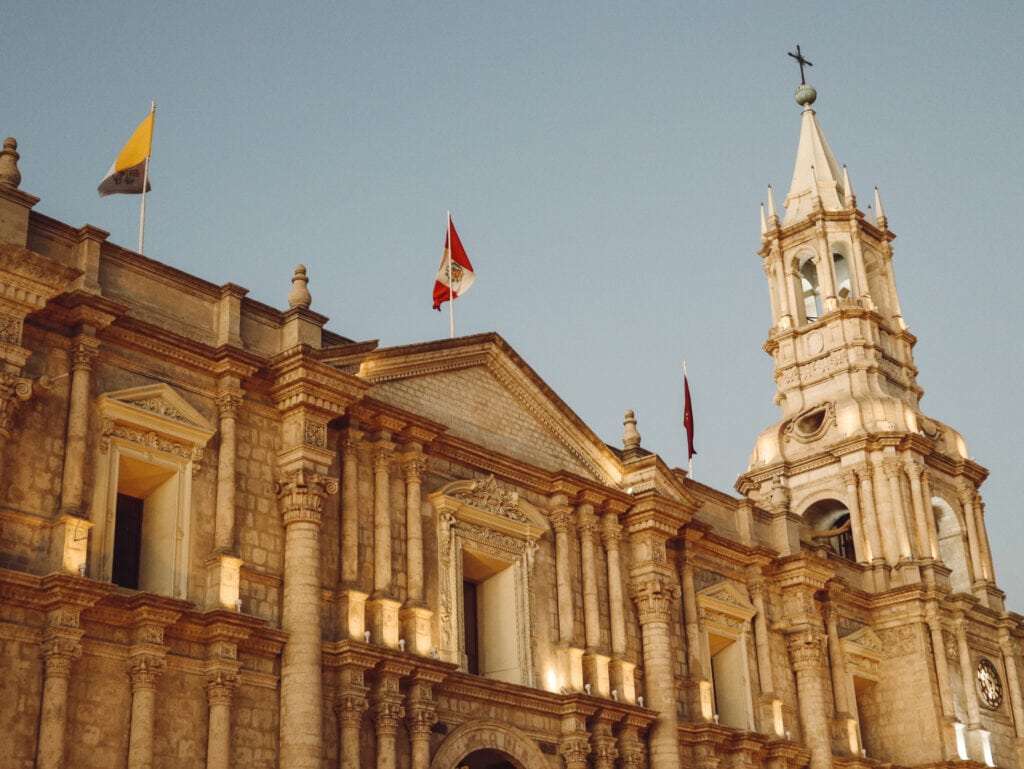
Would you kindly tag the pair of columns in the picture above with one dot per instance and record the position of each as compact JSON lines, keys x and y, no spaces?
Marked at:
{"x":588,"y":526}
{"x":386,"y":619}
{"x":387,"y":707}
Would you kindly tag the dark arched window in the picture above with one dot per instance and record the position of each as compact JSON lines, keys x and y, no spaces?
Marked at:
{"x":827,"y":522}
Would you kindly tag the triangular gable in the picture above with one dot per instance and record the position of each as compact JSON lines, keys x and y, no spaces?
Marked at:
{"x":864,"y":651}
{"x":158,"y":408}
{"x":726,"y":598}
{"x":484,"y":393}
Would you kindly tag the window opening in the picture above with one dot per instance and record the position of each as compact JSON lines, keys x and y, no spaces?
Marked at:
{"x":127,"y":541}
{"x":844,"y":288}
{"x":472,"y":628}
{"x":810,"y":288}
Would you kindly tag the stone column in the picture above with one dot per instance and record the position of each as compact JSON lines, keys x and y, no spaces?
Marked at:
{"x":805,"y":649}
{"x":621,"y":670}
{"x":229,"y":399}
{"x":826,"y":270}
{"x":220,"y":689}
{"x":301,"y":496}
{"x":387,"y":713}
{"x":653,"y":597}
{"x":893,"y":473}
{"x":224,"y":567}
{"x":585,"y":524}
{"x":352,"y":609}
{"x":933,"y":533}
{"x":691,"y":618}
{"x":604,"y":745}
{"x":59,"y":653}
{"x":632,"y":754}
{"x":986,"y":551}
{"x":382,"y":518}
{"x":865,"y":542}
{"x":573,"y":746}
{"x":414,"y":528}
{"x":967,"y":674}
{"x":84,"y":351}
{"x":144,"y":670}
{"x":966,"y":493}
{"x":420,"y":716}
{"x":843,"y":696}
{"x":595,"y":664}
{"x":914,"y":472}
{"x":942,"y":677}
{"x":888,"y":549}
{"x":383,"y":607}
{"x":561,"y":521}
{"x":763,"y":649}
{"x":415,"y":616}
{"x":350,"y":706}
{"x":1013,"y":686}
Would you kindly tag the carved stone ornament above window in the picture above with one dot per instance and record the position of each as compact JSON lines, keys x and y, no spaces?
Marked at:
{"x":811,"y":424}
{"x":156,"y":417}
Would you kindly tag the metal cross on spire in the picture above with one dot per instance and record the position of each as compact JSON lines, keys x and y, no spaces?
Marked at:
{"x":802,"y":61}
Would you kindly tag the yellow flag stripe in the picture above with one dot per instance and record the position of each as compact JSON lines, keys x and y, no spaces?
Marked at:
{"x":137,"y":149}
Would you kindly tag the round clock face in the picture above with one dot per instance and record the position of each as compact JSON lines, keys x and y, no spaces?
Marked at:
{"x":990,"y":688}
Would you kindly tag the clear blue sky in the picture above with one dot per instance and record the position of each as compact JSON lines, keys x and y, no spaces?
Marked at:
{"x":603,"y":162}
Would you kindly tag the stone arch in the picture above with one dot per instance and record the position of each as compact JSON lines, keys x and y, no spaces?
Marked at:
{"x":952,"y":535}
{"x":489,"y":735}
{"x":827,"y":521}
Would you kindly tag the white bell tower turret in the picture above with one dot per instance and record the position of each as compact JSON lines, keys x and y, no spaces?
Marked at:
{"x":873,"y":479}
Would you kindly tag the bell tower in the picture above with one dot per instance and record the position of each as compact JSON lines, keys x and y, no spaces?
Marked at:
{"x":871,"y":477}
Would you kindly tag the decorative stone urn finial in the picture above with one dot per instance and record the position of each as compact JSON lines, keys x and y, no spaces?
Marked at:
{"x":630,"y":435}
{"x":299,"y":296}
{"x":9,"y":173}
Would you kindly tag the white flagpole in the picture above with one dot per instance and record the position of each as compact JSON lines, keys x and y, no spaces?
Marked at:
{"x":145,"y":180}
{"x":451,"y":291}
{"x":685,"y":385}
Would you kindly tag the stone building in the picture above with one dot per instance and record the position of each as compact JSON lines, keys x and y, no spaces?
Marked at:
{"x":231,"y":537}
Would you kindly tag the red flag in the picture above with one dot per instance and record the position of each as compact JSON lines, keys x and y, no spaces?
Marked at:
{"x":688,"y":419}
{"x":460,"y":271}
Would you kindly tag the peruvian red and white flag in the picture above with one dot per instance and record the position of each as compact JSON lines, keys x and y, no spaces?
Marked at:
{"x":455,"y":275}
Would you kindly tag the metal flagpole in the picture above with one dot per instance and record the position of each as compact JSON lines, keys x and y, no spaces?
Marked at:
{"x":688,"y":456}
{"x":145,"y":178}
{"x":451,"y":291}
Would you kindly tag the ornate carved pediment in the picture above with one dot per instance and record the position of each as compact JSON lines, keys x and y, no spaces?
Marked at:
{"x":157,"y":417}
{"x":863,"y":650}
{"x":485,"y":504}
{"x":725,"y":604}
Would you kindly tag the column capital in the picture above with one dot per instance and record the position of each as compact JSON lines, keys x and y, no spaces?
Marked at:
{"x":805,"y":650}
{"x":653,"y":597}
{"x":611,"y":532}
{"x":229,"y":400}
{"x":301,"y":496}
{"x":893,"y":468}
{"x":144,"y":670}
{"x":83,"y":352}
{"x":220,"y":686}
{"x":413,"y":465}
{"x":351,"y":704}
{"x":913,"y":469}
{"x":13,"y":391}
{"x":849,"y":476}
{"x":574,"y":750}
{"x":562,"y":520}
{"x":387,"y":714}
{"x":59,"y":654}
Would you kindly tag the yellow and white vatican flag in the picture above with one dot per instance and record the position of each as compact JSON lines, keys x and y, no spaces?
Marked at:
{"x":130,"y":172}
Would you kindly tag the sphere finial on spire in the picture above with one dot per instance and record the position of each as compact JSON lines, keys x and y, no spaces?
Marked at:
{"x":804,"y":94}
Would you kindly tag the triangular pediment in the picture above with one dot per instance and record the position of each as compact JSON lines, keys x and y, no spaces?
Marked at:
{"x":864,"y":642}
{"x":726,"y":598}
{"x":485,"y":394}
{"x":158,"y":408}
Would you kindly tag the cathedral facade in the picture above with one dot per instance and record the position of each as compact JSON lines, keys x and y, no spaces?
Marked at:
{"x":233,"y":538}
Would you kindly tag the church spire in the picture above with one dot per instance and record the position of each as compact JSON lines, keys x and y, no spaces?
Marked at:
{"x":816,"y":173}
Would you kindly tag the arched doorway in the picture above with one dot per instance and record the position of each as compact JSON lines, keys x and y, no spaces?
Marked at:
{"x":488,"y":745}
{"x":488,"y":759}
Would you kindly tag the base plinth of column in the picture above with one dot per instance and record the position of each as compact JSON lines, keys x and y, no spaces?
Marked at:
{"x":622,"y":677}
{"x":570,"y":667}
{"x":384,"y":624}
{"x":595,"y":673}
{"x":223,"y":582}
{"x":352,"y":614}
{"x":416,"y":624}
{"x":70,"y":544}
